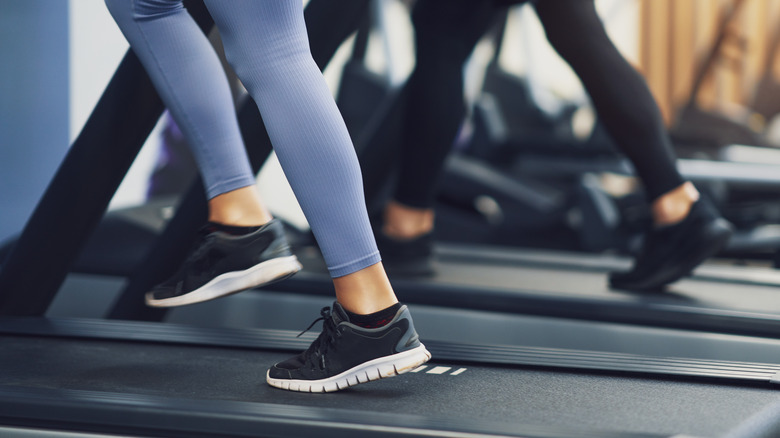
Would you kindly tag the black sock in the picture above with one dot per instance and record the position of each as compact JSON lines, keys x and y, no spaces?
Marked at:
{"x":376,"y":319}
{"x":232,"y":229}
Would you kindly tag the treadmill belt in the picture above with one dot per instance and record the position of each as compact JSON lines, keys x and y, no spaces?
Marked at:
{"x":553,"y":281}
{"x":463,"y":392}
{"x":517,"y":285}
{"x":721,"y":271}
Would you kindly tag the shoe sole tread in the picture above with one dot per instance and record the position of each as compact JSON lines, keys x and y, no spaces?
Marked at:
{"x":264,"y":273}
{"x":379,"y":368}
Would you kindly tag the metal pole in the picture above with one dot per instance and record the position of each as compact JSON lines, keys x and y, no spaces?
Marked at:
{"x":82,"y":188}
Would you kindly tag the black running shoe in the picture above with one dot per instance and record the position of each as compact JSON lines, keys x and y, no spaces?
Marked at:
{"x":222,"y":264}
{"x":673,"y":251}
{"x":345,"y":354}
{"x":407,"y":257}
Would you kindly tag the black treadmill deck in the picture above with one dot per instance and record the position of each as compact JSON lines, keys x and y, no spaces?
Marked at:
{"x":77,"y":383}
{"x":567,"y":286}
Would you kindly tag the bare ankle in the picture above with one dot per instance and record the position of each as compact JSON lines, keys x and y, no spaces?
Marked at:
{"x":240,"y":219}
{"x":404,"y":222}
{"x":674,"y":205}
{"x":365,"y":291}
{"x":241,"y":207}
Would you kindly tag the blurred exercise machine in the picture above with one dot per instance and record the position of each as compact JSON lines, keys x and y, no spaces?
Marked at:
{"x":130,"y":371}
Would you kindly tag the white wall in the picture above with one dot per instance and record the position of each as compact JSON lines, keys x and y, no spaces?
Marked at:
{"x":97,"y":46}
{"x":33,"y":104}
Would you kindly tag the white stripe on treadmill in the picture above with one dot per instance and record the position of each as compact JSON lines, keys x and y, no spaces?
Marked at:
{"x":438,"y":370}
{"x":459,"y":371}
{"x":418,"y":369}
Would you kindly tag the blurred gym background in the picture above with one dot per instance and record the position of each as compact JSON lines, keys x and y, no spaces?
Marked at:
{"x":711,"y":64}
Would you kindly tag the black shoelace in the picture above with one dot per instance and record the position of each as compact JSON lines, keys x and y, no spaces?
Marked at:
{"x":315,"y":354}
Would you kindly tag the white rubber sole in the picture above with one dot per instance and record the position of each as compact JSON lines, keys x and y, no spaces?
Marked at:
{"x":228,"y":283}
{"x":379,"y":368}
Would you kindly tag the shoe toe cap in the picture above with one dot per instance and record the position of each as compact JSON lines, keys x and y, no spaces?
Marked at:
{"x":286,"y":368}
{"x":279,"y":373}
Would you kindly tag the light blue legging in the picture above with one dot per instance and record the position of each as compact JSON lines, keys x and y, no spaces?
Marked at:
{"x":266,"y":43}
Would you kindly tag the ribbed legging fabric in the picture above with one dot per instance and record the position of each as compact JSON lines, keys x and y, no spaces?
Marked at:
{"x":448,"y":30}
{"x":266,"y":44}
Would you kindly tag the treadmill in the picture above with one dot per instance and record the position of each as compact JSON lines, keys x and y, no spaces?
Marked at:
{"x":717,"y":297}
{"x":114,"y":374}
{"x":132,"y":378}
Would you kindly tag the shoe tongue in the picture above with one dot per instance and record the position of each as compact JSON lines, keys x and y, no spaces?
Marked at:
{"x":338,"y":314}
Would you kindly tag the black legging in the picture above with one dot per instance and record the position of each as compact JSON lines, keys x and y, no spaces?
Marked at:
{"x":620,"y":95}
{"x":446,"y":33}
{"x":329,"y":23}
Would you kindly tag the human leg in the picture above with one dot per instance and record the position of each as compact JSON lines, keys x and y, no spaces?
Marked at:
{"x":623,"y":102}
{"x":446,"y":32}
{"x":686,"y":230}
{"x":619,"y":94}
{"x":329,"y":23}
{"x":266,"y":44}
{"x":242,"y":247}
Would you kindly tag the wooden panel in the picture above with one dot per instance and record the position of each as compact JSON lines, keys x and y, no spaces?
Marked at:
{"x":655,"y":42}
{"x":705,"y":24}
{"x":773,"y":18}
{"x":682,"y":41}
{"x":754,"y":19}
{"x":676,"y":37}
